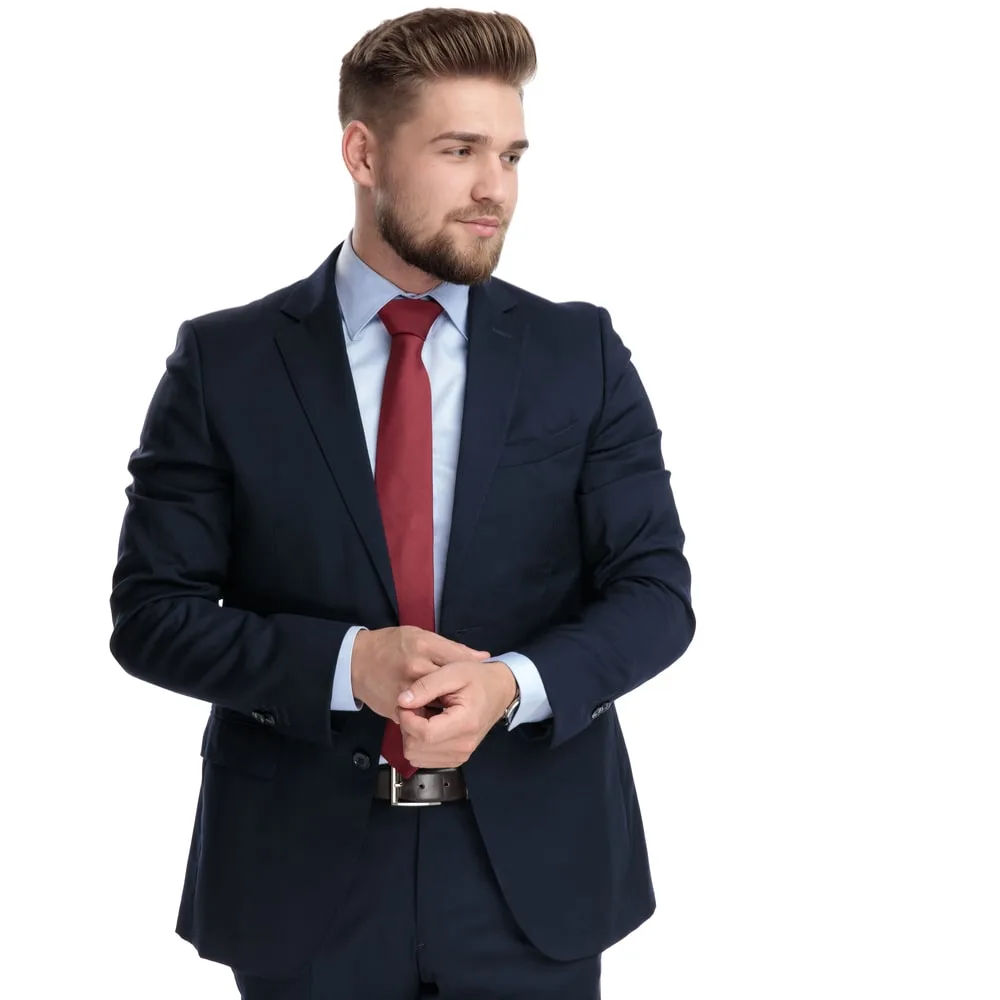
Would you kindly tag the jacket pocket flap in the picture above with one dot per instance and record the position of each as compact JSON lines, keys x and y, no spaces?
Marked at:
{"x":242,"y":746}
{"x":537,"y":449}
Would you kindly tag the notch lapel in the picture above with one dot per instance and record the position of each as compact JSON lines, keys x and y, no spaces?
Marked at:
{"x":496,"y":344}
{"x":315,"y":357}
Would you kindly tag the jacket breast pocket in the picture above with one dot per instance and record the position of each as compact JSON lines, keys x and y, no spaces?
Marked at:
{"x":241,"y":746}
{"x":529,"y":450}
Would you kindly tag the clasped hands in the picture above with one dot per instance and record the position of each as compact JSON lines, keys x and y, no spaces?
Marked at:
{"x":441,"y":693}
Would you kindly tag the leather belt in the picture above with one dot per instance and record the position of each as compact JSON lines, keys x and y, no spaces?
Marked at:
{"x":429,"y":787}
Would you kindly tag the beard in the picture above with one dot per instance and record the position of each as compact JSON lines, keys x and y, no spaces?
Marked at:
{"x":439,"y":255}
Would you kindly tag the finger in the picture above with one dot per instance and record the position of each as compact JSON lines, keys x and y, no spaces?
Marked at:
{"x":413,"y":725}
{"x":422,"y":757}
{"x":425,"y":665}
{"x":423,"y":712}
{"x":430,"y":687}
{"x":420,"y":668}
{"x":428,"y":733}
{"x":454,"y":723}
{"x":446,"y":651}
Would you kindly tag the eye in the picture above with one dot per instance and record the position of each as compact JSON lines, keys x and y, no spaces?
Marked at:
{"x":514,"y":157}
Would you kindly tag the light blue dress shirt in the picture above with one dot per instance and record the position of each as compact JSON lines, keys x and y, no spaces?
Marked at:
{"x":362,"y":293}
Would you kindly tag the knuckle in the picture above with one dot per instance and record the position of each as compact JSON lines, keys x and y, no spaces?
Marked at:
{"x":415,"y":669}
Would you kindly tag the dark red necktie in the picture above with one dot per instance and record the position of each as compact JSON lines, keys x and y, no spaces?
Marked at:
{"x":404,"y":470}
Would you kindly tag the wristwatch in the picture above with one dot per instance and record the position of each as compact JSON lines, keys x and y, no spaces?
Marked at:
{"x":512,"y":707}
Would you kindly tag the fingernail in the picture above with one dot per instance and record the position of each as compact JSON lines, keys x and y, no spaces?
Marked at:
{"x":407,"y":696}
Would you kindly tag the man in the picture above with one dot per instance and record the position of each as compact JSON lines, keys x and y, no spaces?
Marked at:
{"x":407,"y":528}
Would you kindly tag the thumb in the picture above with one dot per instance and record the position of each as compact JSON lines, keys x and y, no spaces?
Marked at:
{"x":425,"y":689}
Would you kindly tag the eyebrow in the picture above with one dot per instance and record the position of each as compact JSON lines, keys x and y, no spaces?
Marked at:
{"x":477,"y":137}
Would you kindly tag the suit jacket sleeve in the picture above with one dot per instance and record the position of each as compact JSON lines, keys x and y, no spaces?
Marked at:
{"x":169,"y":627}
{"x":638,"y":619}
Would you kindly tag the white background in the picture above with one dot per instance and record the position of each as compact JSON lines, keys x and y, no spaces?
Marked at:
{"x":791,"y":212}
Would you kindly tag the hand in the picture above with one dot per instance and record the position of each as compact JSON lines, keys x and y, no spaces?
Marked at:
{"x":387,"y":660}
{"x":475,"y":697}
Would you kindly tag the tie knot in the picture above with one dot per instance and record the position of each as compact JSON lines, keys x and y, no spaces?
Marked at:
{"x":413,"y":316}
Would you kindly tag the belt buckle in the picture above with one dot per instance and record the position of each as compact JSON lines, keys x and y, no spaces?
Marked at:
{"x":395,"y":783}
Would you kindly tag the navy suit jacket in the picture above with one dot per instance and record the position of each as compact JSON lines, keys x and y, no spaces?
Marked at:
{"x":252,"y":541}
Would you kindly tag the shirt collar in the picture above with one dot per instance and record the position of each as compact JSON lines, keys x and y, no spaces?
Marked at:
{"x":362,"y":292}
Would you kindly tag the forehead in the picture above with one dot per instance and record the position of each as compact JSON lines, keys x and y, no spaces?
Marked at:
{"x":469,"y":105}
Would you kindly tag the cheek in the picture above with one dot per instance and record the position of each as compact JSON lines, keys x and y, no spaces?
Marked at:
{"x":434,"y":201}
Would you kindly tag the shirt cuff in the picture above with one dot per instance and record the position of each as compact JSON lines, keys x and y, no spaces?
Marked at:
{"x":534,"y":705}
{"x":342,"y":699}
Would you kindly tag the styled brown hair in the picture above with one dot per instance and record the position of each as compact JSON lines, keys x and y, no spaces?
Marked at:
{"x":382,"y":77}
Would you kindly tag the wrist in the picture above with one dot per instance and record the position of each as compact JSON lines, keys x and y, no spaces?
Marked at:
{"x":515,"y":689}
{"x":357,"y":666}
{"x":507,"y":680}
{"x":509,"y":688}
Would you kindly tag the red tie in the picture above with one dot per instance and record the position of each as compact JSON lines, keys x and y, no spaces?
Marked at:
{"x":404,"y":478}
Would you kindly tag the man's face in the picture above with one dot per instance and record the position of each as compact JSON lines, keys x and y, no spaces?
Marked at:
{"x":426,"y":186}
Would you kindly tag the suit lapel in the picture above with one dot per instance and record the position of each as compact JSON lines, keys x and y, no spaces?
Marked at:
{"x":315,"y":357}
{"x":496,"y":340}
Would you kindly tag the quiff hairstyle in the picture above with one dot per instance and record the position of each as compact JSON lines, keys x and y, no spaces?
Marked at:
{"x":382,"y":77}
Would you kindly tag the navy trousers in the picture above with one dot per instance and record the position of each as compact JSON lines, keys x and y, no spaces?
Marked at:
{"x":425,"y":917}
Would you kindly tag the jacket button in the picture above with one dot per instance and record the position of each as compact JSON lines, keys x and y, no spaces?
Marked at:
{"x":265,"y":718}
{"x":361,"y":760}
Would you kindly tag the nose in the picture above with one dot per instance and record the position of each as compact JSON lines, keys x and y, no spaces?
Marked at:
{"x":493,"y":184}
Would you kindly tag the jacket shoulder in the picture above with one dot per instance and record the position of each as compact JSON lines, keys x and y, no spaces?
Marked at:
{"x":574,"y":310}
{"x":260,"y":314}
